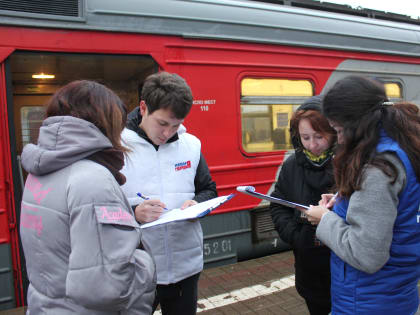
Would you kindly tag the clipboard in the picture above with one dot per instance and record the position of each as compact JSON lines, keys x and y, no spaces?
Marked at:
{"x":250,"y":190}
{"x":197,"y":211}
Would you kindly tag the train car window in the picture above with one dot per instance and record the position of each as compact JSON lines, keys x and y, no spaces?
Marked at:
{"x":31,"y":120}
{"x":393,"y":91}
{"x":267,"y":105}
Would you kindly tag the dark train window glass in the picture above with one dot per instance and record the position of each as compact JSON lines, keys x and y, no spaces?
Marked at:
{"x":267,"y":105}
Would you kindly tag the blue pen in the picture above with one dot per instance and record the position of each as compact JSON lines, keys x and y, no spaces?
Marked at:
{"x":147,"y":198}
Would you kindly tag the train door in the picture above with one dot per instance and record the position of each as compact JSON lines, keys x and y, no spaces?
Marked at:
{"x":32,"y":78}
{"x":10,"y":276}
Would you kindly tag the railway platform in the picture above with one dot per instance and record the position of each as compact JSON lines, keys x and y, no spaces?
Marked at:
{"x":259,"y":286}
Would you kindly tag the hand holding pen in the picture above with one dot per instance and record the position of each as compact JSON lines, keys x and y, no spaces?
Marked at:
{"x":147,"y":198}
{"x":149,"y":210}
{"x":315,"y":213}
{"x":328,"y":200}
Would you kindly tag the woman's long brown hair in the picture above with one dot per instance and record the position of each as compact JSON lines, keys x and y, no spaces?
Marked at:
{"x":93,"y":102}
{"x":358,"y":104}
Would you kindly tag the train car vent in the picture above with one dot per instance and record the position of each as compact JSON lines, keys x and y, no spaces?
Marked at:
{"x":52,"y":7}
{"x":262,"y":225}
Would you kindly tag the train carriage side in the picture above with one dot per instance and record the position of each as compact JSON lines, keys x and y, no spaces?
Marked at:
{"x":246,"y":143}
{"x":247,"y":79}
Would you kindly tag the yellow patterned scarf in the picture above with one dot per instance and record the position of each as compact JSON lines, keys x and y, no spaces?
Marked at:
{"x":318,"y":159}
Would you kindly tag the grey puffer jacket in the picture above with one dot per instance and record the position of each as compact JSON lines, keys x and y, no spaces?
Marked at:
{"x":78,"y":231}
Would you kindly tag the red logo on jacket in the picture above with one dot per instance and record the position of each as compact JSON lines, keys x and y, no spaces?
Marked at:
{"x":182,"y":165}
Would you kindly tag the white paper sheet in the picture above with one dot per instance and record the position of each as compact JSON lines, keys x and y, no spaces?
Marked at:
{"x":197,"y":211}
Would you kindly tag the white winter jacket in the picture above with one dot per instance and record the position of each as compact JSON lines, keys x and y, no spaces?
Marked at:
{"x":166,"y":174}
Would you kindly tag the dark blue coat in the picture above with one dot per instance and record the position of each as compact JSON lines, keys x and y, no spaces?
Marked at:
{"x":394,"y":287}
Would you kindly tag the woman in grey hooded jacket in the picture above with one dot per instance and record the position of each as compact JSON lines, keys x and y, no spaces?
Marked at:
{"x":78,"y":231}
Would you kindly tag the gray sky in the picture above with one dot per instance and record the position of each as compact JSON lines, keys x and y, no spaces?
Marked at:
{"x":406,"y":7}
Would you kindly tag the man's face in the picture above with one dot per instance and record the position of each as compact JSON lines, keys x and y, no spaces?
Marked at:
{"x":159,"y":126}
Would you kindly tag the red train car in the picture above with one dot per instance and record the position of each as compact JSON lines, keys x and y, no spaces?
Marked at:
{"x":249,"y":64}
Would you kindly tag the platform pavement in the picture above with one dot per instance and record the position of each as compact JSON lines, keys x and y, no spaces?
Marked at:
{"x":231,"y":283}
{"x":260,"y":286}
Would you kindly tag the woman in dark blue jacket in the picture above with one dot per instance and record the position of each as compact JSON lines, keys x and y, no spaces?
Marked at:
{"x":373,"y":230}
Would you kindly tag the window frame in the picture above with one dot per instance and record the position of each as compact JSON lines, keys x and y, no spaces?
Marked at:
{"x":262,"y":100}
{"x":397,"y":81}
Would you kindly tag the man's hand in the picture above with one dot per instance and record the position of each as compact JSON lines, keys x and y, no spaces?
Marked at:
{"x":149,"y":211}
{"x":188,"y":203}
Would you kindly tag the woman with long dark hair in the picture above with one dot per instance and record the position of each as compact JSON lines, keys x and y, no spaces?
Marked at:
{"x":373,"y":229}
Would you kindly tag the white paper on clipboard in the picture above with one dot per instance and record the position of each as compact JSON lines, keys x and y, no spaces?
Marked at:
{"x":250,"y":190}
{"x":197,"y":211}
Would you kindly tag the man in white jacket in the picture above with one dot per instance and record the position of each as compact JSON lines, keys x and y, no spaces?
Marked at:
{"x":166,"y":166}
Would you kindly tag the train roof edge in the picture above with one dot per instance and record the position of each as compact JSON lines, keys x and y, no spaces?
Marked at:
{"x":232,"y":20}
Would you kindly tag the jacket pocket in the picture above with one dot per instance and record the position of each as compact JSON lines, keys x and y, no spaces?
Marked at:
{"x":186,"y":235}
{"x":118,"y":233}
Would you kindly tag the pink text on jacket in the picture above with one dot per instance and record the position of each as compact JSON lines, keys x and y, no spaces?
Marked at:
{"x":35,"y":187}
{"x":32,"y":222}
{"x":115,"y":216}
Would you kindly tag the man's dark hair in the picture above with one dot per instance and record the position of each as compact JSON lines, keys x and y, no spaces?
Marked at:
{"x":165,"y":90}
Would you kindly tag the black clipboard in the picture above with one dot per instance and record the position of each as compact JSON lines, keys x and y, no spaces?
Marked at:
{"x":250,"y":190}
